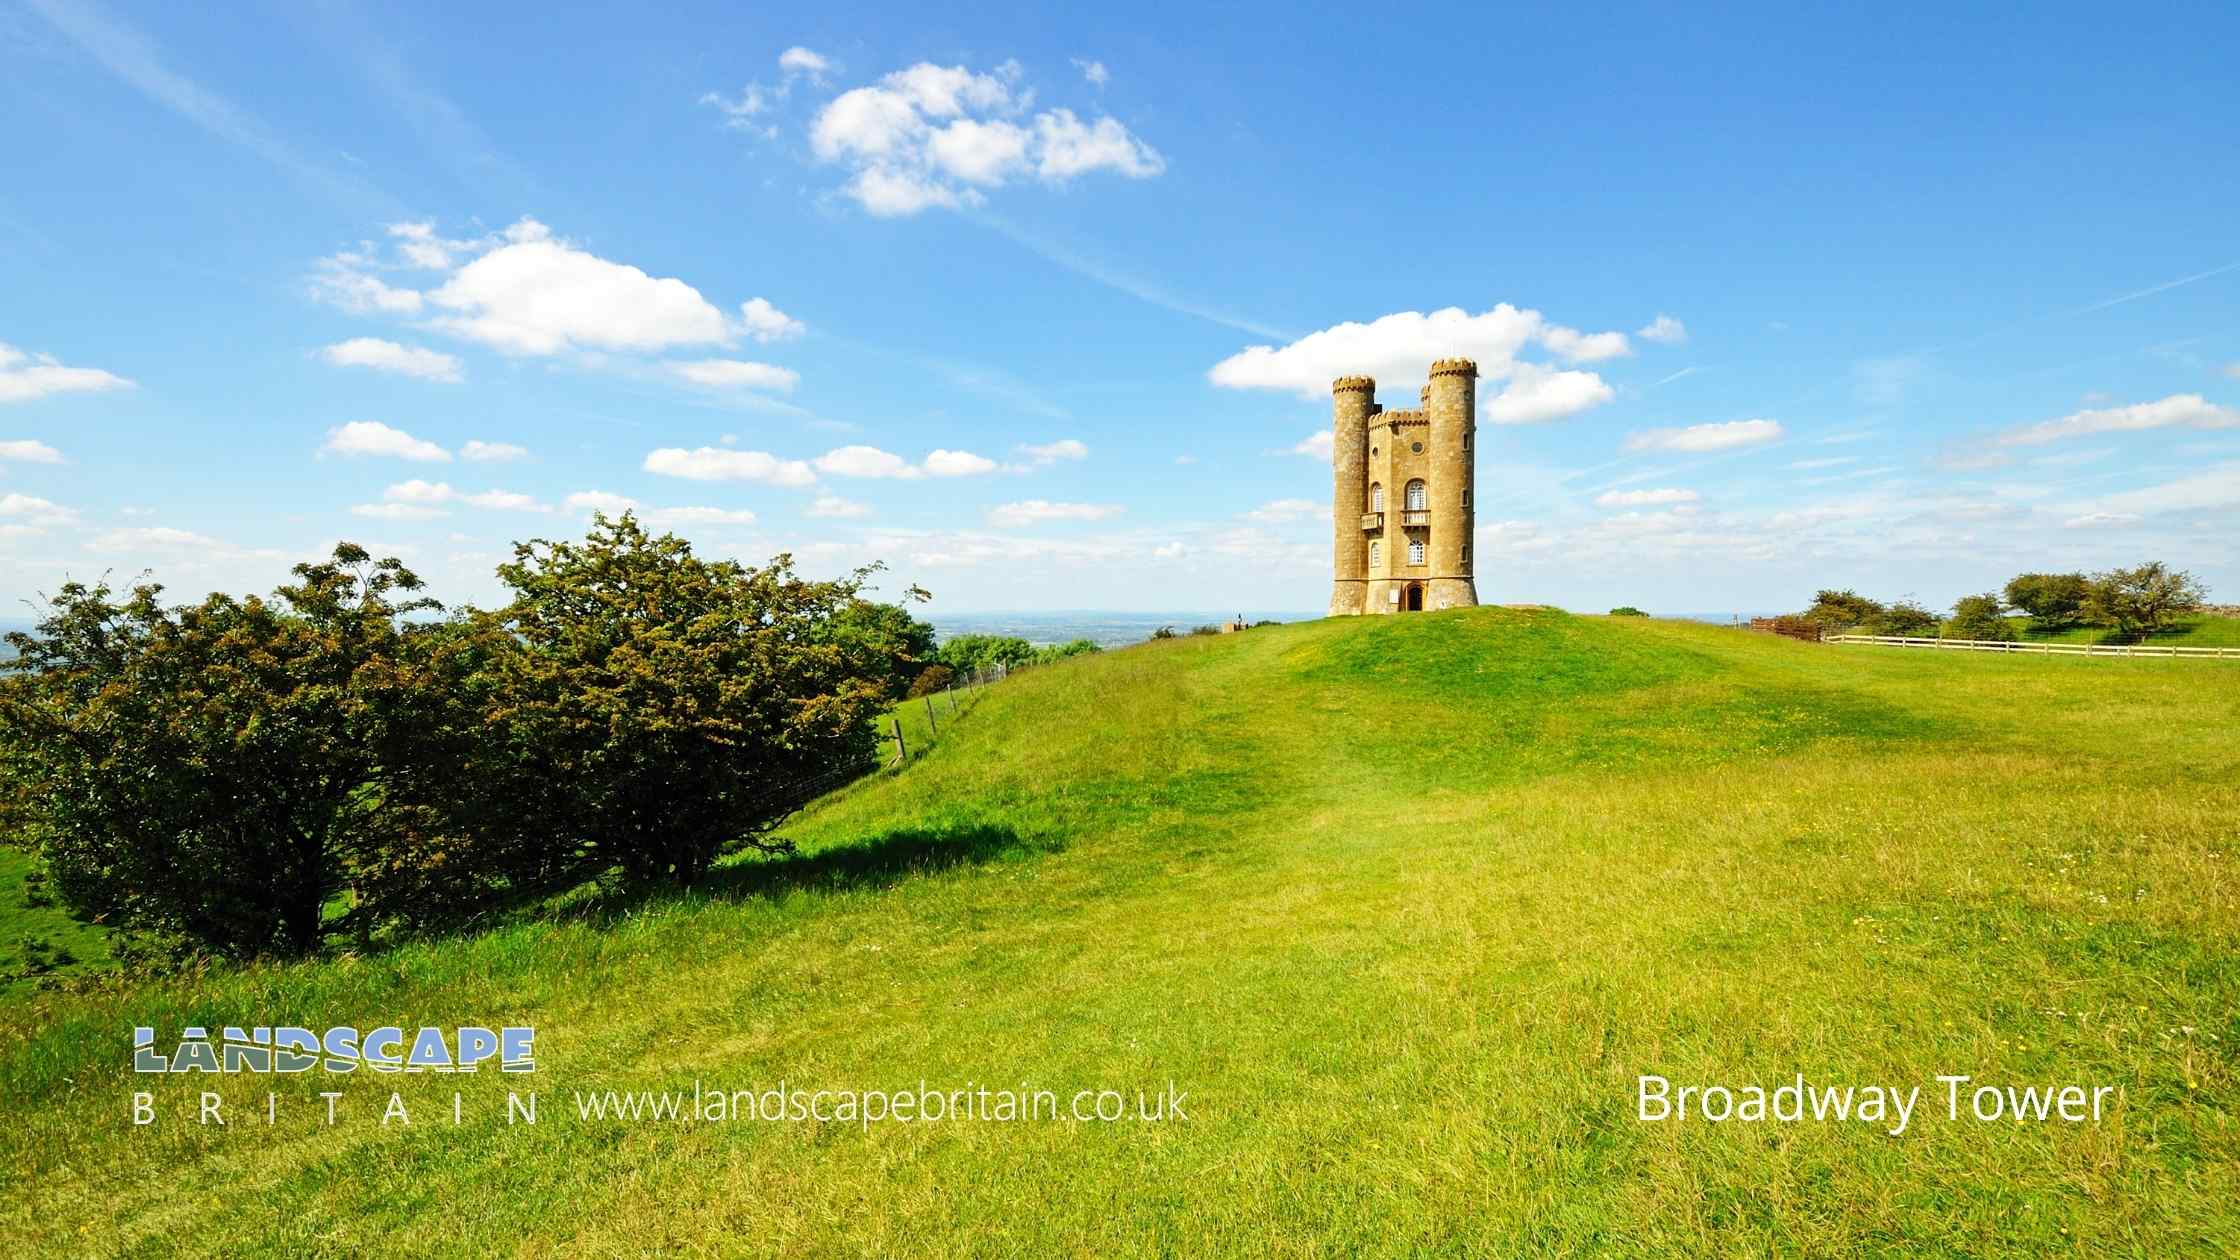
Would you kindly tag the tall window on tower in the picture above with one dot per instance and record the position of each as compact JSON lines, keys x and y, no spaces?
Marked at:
{"x":1376,"y":498}
{"x":1415,"y":551}
{"x":1376,"y":553}
{"x":1415,"y":496}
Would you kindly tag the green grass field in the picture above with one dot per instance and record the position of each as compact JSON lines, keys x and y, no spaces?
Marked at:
{"x":2194,"y":631}
{"x":1405,"y":905}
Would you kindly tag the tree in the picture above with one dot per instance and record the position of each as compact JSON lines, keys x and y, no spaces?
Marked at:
{"x":1905,"y":618}
{"x":1841,"y":610}
{"x":212,"y":774}
{"x":1064,"y":651}
{"x":890,"y":633}
{"x":2142,"y":600}
{"x":1979,"y":617}
{"x":2053,"y":600}
{"x":1627,"y":610}
{"x":933,"y":678}
{"x":970,"y":654}
{"x":641,"y":710}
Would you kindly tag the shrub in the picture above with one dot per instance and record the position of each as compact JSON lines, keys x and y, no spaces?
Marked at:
{"x":889,"y":634}
{"x":973,"y":654}
{"x":933,"y":678}
{"x":1627,"y":610}
{"x":1063,"y":651}
{"x":212,"y":774}
{"x":1979,"y":617}
{"x":1164,"y":632}
{"x":1905,"y":619}
{"x":1841,"y":610}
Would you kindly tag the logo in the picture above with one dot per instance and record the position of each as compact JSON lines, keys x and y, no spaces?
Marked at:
{"x":261,"y":1049}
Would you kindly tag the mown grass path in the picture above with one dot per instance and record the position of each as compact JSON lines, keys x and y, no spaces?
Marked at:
{"x":1405,"y":905}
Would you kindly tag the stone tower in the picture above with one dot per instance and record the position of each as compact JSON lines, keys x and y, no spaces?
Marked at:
{"x":1400,"y":499}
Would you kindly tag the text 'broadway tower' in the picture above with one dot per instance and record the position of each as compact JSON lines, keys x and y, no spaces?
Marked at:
{"x":1400,"y":504}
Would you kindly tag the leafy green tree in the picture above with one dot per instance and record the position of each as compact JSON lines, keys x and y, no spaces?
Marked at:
{"x":212,"y":774}
{"x":889,"y":632}
{"x":1627,"y":610}
{"x":1064,"y":651}
{"x":1904,"y":618}
{"x":2142,"y":600}
{"x":970,"y":654}
{"x":1979,"y":617}
{"x":1841,"y":610}
{"x":933,"y":678}
{"x":641,"y":710}
{"x":2053,"y":600}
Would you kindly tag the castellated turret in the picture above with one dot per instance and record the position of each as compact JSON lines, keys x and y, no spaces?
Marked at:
{"x":1401,"y":487}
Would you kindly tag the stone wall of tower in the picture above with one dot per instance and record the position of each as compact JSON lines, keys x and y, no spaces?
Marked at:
{"x":1453,"y":407}
{"x":1352,"y":403}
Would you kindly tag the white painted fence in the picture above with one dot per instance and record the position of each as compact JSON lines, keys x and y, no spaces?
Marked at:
{"x":2044,"y":649}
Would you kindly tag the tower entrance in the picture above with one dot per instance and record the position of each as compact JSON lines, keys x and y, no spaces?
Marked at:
{"x":1413,"y":600}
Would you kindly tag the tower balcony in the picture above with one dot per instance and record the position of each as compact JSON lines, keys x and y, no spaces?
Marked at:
{"x":1415,"y":518}
{"x":1372,"y":520}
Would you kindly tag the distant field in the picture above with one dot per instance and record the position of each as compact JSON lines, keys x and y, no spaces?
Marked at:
{"x":1405,"y":905}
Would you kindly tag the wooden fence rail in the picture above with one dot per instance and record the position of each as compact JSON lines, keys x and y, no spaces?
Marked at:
{"x":2043,"y":649}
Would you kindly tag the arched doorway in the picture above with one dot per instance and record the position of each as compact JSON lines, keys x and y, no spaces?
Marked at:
{"x":1413,"y":600}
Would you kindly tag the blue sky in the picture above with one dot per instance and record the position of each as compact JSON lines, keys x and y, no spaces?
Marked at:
{"x":1040,"y":308}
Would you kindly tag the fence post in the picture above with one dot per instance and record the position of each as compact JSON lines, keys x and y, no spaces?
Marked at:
{"x":931,"y":728}
{"x":901,"y":751}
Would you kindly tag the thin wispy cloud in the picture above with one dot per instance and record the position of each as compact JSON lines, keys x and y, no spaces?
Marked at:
{"x":1120,"y":282}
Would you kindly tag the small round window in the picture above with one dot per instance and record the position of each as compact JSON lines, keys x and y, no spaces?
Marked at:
{"x":1417,"y":447}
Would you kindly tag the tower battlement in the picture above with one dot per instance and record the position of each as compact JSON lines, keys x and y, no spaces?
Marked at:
{"x":1401,"y":506}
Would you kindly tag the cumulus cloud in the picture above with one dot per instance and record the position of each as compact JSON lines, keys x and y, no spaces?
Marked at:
{"x":538,"y":296}
{"x":1093,"y":71}
{"x":2188,"y":411}
{"x":935,"y":135}
{"x":1645,"y":498}
{"x":388,"y":356}
{"x":25,"y":376}
{"x":1052,"y":452}
{"x":588,"y":501}
{"x":665,"y":517}
{"x":1313,"y":446}
{"x":1697,"y":438}
{"x":1285,"y":511}
{"x":397,"y":511}
{"x":866,"y":461}
{"x":832,"y":506}
{"x":34,"y":512}
{"x":1664,"y":329}
{"x":2214,"y":487}
{"x":1535,"y":394}
{"x":713,"y":463}
{"x":736,"y":374}
{"x":2101,"y":520}
{"x":765,"y":322}
{"x":434,"y":493}
{"x":1398,"y":349}
{"x":957,"y":464}
{"x":482,"y":452}
{"x":373,"y":438}
{"x":1042,"y":511}
{"x":799,"y":62}
{"x":27,"y":451}
{"x":347,"y":280}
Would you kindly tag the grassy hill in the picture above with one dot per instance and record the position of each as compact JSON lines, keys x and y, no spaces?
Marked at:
{"x":1405,"y":905}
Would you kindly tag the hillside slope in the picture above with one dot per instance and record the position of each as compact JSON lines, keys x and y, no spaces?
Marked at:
{"x":1404,"y":905}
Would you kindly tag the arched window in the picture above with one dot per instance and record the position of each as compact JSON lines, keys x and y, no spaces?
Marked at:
{"x":1376,"y":553}
{"x":1415,"y":551}
{"x":1376,"y":498}
{"x":1466,"y":496}
{"x":1415,"y":496}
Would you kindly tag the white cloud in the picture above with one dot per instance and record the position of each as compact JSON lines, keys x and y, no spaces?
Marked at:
{"x":1093,"y":71}
{"x":539,"y":296}
{"x":866,"y":461}
{"x":371,"y":437}
{"x":2101,"y":520}
{"x":1185,"y":459}
{"x":736,"y":374}
{"x":1536,"y":394}
{"x":834,"y":507}
{"x":1664,"y":329}
{"x":1314,"y":446}
{"x":1052,"y":452}
{"x":939,"y":135}
{"x":1645,"y":498}
{"x":27,"y":451}
{"x":588,"y":501}
{"x":2214,"y":487}
{"x":1697,"y":438}
{"x":2190,"y":411}
{"x":421,"y":246}
{"x":397,"y":511}
{"x":957,"y":464}
{"x":24,"y":377}
{"x":1042,"y":511}
{"x":1836,"y":461}
{"x":665,"y":517}
{"x":152,"y":538}
{"x":29,"y":510}
{"x":1170,"y":551}
{"x":711,"y":463}
{"x":801,"y":62}
{"x":482,"y":452}
{"x":431,"y":493}
{"x":1284,"y":511}
{"x":346,"y":280}
{"x":1398,"y":349}
{"x":765,"y":322}
{"x":741,"y":113}
{"x":388,"y":356}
